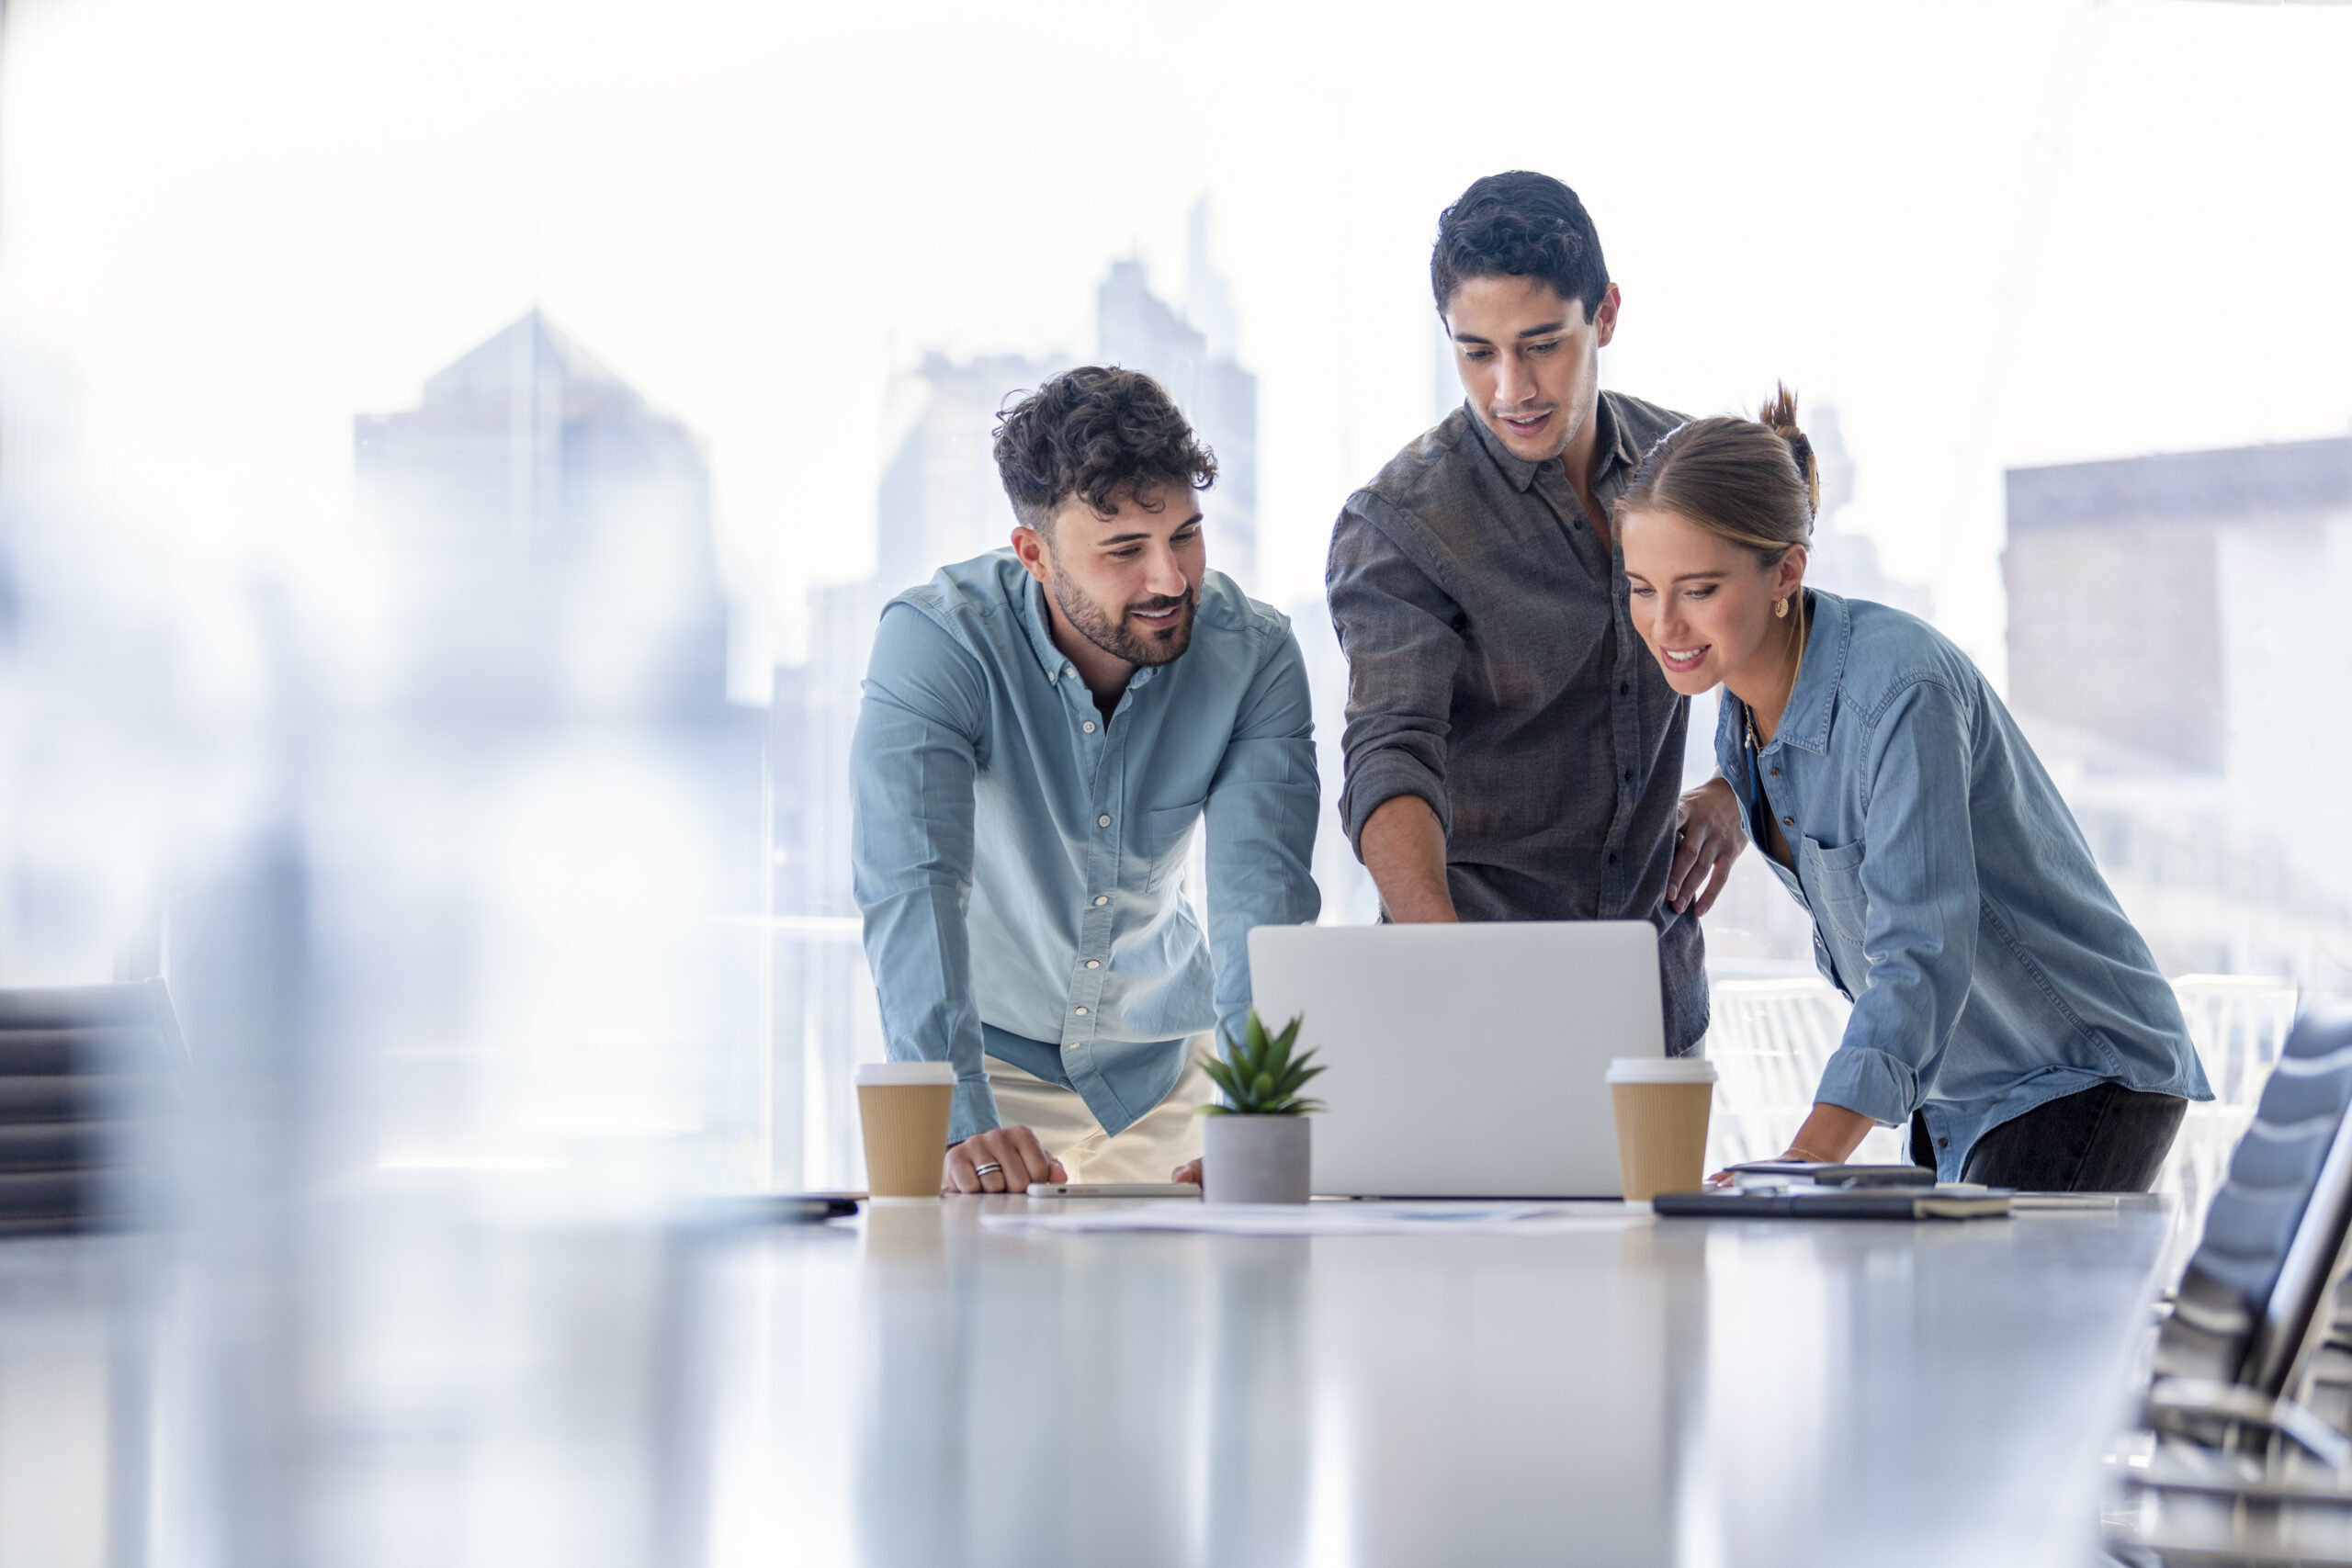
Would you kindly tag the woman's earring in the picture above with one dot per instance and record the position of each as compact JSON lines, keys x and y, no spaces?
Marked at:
{"x":1781,"y":609}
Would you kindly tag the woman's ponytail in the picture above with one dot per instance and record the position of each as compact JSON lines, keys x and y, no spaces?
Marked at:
{"x":1779,"y":416}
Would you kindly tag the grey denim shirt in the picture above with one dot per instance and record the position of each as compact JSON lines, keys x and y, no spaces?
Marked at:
{"x":1494,"y":672}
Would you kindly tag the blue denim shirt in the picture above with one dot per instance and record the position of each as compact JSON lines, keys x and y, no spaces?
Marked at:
{"x":1952,"y":897}
{"x":1019,"y":860}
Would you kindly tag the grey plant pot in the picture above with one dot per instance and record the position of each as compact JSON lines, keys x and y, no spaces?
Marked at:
{"x":1255,"y":1159}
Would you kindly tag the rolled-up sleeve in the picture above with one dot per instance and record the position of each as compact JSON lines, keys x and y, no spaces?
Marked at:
{"x":1918,"y":874}
{"x":1260,"y":813}
{"x":912,"y":763}
{"x":1398,"y":629}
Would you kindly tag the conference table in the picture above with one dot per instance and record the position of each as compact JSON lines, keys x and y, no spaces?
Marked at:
{"x":939,"y":1383}
{"x":419,"y":1371}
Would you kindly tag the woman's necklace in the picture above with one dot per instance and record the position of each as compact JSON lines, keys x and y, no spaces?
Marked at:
{"x":1747,"y":713}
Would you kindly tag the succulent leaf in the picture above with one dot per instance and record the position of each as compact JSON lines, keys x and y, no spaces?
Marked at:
{"x":1257,"y":1074}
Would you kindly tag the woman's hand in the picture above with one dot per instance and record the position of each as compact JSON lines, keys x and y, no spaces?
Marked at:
{"x":1829,"y":1136}
{"x":1709,"y":838}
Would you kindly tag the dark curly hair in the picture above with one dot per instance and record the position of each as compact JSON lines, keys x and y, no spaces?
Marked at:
{"x":1519,"y":225}
{"x":1096,"y":431}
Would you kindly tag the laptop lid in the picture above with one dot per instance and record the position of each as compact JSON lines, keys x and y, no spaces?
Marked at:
{"x":1464,"y":1060}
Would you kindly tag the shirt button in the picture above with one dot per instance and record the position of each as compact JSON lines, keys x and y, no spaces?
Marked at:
{"x":1082,"y":1012}
{"x":1069,"y":669}
{"x":1787,"y":821}
{"x":1774,"y":771}
{"x":1101,"y":900}
{"x":1629,"y":775}
{"x":1088,"y":727}
{"x":1612,"y":857}
{"x":1101,"y":821}
{"x":1622,"y":688}
{"x":1941,"y":1143}
{"x":1094,"y":963}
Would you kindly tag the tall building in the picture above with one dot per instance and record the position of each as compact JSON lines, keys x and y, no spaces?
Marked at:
{"x":1193,"y":353}
{"x":554,"y":649}
{"x":941,"y":500}
{"x":2174,"y":652}
{"x":1843,"y":559}
{"x":551,"y":528}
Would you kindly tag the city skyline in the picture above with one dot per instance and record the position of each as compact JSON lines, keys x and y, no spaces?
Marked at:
{"x":1995,"y":275}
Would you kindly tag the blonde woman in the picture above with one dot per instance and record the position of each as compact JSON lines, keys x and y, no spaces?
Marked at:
{"x":2004,"y":1007}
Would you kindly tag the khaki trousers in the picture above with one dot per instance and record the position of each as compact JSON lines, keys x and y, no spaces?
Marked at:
{"x":1161,"y":1139}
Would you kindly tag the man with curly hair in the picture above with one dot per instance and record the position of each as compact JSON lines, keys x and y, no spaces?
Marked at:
{"x":1043,"y":727}
{"x":1513,"y":754}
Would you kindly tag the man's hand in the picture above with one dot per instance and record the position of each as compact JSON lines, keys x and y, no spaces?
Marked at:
{"x":1189,"y":1171}
{"x":1013,"y":1153}
{"x":1708,"y":839}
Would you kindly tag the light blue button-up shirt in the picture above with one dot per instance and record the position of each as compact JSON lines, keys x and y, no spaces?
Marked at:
{"x":1019,"y":859}
{"x":1953,"y":899}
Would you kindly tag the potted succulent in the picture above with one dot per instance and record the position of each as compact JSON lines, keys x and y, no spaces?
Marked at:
{"x":1255,"y":1144}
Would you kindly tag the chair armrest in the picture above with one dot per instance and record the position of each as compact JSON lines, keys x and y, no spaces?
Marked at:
{"x":2175,"y":1405}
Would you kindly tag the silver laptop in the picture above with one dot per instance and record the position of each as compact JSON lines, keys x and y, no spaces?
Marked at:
{"x":1466,"y":1061}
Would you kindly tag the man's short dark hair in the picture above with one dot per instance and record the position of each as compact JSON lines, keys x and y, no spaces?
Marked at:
{"x":1519,"y":225}
{"x":1100,"y":433}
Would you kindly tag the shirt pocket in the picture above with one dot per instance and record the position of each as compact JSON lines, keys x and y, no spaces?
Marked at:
{"x":1845,"y":908}
{"x":1166,"y":834}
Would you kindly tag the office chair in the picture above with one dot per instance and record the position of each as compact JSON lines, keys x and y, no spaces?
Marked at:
{"x":87,"y":1074}
{"x":2251,"y":1385}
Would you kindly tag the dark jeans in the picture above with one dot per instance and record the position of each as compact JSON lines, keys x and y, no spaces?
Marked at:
{"x":2107,"y":1139}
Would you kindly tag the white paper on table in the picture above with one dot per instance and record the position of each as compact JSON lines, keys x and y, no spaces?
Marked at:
{"x":1330,"y":1219}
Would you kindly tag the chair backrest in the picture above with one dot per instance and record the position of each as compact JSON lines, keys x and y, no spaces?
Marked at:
{"x":85,"y":1071}
{"x":2275,"y":1229}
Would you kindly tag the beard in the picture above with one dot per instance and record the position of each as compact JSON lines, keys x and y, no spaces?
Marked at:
{"x":1116,"y":634}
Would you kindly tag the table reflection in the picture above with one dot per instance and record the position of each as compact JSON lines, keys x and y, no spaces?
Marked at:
{"x":430,"y":1376}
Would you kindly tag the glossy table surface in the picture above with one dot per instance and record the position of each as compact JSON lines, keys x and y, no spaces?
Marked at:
{"x":428,"y":1374}
{"x":915,"y":1388}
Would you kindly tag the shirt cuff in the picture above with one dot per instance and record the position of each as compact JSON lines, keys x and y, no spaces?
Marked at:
{"x":1879,"y":1085}
{"x":974,"y":1110}
{"x":1380,"y":778}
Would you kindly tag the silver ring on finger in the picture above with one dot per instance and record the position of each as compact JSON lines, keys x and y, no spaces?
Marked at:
{"x":985,"y":1169}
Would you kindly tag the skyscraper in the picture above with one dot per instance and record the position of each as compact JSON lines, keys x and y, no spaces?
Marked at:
{"x":548,"y":530}
{"x":2174,"y":653}
{"x":574,"y":947}
{"x":941,"y":500}
{"x":1193,"y":357}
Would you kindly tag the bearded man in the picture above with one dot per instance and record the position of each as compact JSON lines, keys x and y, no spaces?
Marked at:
{"x":1043,"y":727}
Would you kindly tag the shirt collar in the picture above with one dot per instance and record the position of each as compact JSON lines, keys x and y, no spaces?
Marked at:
{"x":1805,"y":720}
{"x":1038,"y":624}
{"x":1611,"y":442}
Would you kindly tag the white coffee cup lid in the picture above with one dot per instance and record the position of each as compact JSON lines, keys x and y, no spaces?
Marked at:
{"x":1661,"y":1069}
{"x":880,"y":1073}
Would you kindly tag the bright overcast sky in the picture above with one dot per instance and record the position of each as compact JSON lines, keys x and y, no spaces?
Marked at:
{"x":1993,"y":232}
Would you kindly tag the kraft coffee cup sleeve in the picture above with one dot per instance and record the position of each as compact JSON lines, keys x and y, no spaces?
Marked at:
{"x":878,"y":1074}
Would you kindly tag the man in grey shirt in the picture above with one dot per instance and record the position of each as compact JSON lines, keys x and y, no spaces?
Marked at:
{"x":1513,"y":754}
